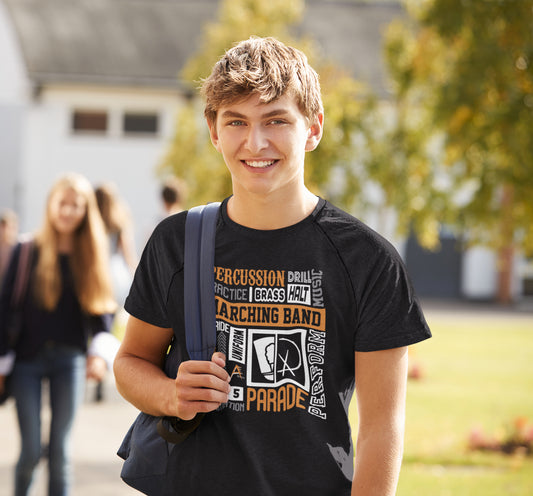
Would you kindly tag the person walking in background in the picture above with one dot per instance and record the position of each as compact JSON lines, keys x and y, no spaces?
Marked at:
{"x":8,"y":238}
{"x":69,"y":299}
{"x":123,"y":257}
{"x":119,"y":228}
{"x":173,"y":195}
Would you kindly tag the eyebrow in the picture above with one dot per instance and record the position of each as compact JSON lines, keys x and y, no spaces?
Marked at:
{"x":236,"y":115}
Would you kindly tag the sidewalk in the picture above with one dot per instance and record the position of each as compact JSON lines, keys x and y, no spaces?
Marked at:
{"x":98,"y":431}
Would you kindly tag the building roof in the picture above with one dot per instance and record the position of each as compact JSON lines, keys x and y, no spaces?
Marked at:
{"x":147,"y":42}
{"x":351,"y":34}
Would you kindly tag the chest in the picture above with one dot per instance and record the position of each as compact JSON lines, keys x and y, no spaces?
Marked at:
{"x":285,"y":320}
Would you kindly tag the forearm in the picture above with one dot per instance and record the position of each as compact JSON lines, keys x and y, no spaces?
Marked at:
{"x":377,"y":462}
{"x":144,"y":385}
{"x":381,"y":382}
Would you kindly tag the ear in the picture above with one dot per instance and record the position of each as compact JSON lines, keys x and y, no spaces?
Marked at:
{"x":213,"y":134}
{"x":314,"y":133}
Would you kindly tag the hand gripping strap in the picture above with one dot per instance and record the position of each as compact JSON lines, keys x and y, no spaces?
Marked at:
{"x":199,"y":281}
{"x":199,"y":301}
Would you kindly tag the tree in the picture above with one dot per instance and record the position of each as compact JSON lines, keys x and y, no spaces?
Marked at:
{"x":463,"y":85}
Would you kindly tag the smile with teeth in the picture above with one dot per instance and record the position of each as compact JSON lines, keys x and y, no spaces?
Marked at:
{"x":259,"y":164}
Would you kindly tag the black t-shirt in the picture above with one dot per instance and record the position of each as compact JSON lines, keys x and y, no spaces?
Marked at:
{"x":293,"y":305}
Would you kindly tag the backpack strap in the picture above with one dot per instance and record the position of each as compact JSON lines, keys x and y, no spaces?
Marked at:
{"x":199,"y":304}
{"x":199,"y":281}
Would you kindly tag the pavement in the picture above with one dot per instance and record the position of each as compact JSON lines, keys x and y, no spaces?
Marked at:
{"x":98,"y":432}
{"x":100,"y":426}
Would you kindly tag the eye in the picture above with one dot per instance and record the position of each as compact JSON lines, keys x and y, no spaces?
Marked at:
{"x":276,"y":122}
{"x":235,"y":123}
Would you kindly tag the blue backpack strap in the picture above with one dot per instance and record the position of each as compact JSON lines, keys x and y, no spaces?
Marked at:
{"x":207,"y":280}
{"x":191,"y":286}
{"x":199,"y":300}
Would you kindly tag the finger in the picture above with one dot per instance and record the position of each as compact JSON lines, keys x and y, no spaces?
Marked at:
{"x":219,"y":358}
{"x":190,"y":401}
{"x":203,"y":381}
{"x":202,"y":367}
{"x":193,"y":395}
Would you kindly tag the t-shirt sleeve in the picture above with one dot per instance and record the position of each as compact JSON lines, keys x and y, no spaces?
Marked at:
{"x":389,"y":313}
{"x":161,"y":260}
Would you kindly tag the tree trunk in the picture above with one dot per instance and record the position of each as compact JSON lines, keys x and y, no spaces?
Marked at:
{"x":506,"y":250}
{"x":505,"y":273}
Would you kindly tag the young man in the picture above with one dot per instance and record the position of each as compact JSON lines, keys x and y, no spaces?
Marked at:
{"x":310,"y":303}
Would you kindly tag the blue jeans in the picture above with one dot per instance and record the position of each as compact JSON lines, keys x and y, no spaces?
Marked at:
{"x":64,"y":367}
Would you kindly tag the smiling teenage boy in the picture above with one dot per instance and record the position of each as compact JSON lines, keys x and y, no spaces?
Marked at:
{"x":311,"y":304}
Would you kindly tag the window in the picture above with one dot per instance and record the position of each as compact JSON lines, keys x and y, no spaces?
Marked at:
{"x":137,"y":123}
{"x":89,"y":121}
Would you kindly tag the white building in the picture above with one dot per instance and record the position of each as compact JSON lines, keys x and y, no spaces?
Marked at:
{"x":90,"y":86}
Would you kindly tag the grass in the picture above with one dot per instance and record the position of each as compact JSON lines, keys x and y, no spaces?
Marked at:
{"x":477,"y":372}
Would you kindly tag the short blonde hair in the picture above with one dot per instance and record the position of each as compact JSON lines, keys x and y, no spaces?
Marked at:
{"x":263,"y":66}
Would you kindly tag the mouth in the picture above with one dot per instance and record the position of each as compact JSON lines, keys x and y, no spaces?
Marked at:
{"x":259,"y":164}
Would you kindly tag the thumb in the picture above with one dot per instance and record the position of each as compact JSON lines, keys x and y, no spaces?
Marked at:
{"x":219,"y":358}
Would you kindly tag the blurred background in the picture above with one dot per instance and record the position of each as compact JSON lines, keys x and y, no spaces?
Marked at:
{"x":429,"y":111}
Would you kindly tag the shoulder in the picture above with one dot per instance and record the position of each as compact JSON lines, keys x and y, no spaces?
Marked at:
{"x":170,"y":231}
{"x":170,"y":226}
{"x":350,"y":235}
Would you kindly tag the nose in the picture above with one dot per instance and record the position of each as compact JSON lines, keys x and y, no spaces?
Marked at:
{"x":256,"y":139}
{"x":66,"y":210}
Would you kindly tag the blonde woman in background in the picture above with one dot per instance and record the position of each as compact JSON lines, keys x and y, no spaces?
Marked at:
{"x":69,"y":300}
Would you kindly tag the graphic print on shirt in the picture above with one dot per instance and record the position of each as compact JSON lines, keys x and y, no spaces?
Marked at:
{"x":271,"y":326}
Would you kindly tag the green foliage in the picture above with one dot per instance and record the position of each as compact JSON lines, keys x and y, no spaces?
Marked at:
{"x":463,"y":74}
{"x":345,"y":102}
{"x":191,"y":157}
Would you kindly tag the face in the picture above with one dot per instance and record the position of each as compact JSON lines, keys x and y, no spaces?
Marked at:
{"x":264,"y":145}
{"x":67,"y":210}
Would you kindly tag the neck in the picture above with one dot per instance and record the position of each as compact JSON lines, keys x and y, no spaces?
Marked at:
{"x":267,"y":213}
{"x":65,"y":244}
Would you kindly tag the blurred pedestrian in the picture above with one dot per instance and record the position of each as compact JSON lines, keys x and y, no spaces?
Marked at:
{"x":119,"y":228}
{"x":173,"y":195}
{"x":123,"y":257}
{"x":8,"y":238}
{"x":69,"y":299}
